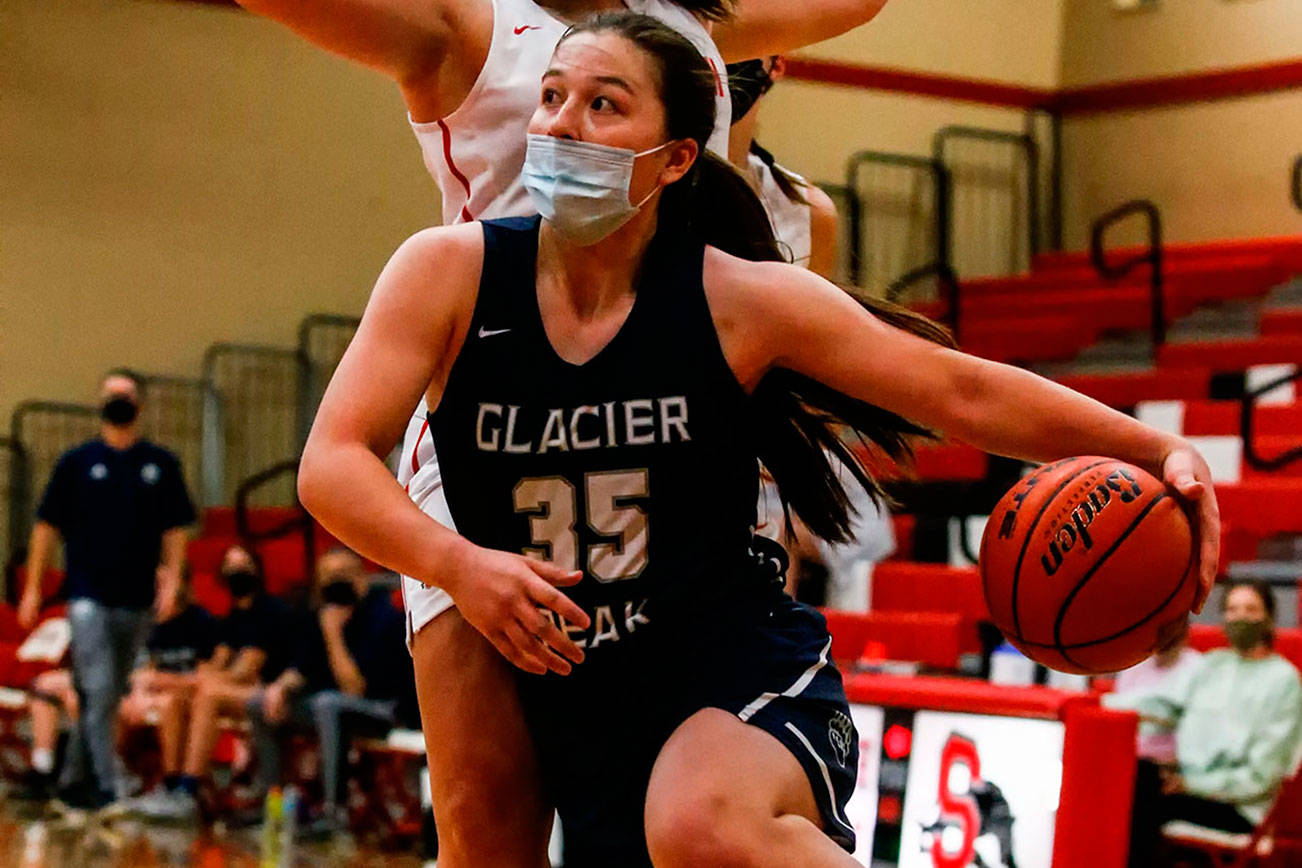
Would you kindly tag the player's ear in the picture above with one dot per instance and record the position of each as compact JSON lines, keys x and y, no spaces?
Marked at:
{"x":682,"y":156}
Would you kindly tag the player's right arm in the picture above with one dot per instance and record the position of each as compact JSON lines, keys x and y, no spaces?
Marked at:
{"x":433,"y":49}
{"x":412,"y":330}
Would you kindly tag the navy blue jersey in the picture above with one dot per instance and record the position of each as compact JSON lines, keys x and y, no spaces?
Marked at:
{"x":636,"y":467}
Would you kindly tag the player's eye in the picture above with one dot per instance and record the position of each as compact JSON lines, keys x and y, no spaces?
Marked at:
{"x":550,"y":96}
{"x":604,"y":104}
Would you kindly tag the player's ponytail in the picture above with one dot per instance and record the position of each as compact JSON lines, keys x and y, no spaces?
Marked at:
{"x":796,"y":422}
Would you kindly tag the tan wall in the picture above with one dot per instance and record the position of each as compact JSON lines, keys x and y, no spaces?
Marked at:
{"x":1217,"y":170}
{"x":176,"y":174}
{"x":1177,"y":36}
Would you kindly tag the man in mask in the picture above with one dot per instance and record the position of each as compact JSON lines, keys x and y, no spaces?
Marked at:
{"x":119,"y":503}
{"x":1237,"y":717}
{"x":352,"y":676}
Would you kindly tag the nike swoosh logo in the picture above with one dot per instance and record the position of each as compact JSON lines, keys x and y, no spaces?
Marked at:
{"x":485,"y":333}
{"x":525,"y":27}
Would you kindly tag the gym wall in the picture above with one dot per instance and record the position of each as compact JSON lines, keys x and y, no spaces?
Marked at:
{"x":1216,"y":169}
{"x":175,"y":174}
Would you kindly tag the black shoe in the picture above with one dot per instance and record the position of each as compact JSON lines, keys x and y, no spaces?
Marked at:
{"x":34,"y":787}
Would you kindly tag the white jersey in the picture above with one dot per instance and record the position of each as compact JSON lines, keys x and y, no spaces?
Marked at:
{"x":790,"y":220}
{"x":476,"y":155}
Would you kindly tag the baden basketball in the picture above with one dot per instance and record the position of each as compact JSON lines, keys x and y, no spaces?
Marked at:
{"x":1085,"y":563}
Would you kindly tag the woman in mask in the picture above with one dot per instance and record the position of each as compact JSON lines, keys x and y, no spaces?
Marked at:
{"x":1237,"y":717}
{"x":467,"y":71}
{"x":603,"y":380}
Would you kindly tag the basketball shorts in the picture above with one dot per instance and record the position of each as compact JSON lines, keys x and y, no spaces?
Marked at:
{"x":418,"y":473}
{"x":598,"y":737}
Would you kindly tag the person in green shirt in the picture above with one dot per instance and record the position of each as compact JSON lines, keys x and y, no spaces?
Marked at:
{"x":1237,"y":717}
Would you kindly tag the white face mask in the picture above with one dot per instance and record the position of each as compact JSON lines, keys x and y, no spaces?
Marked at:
{"x":581,"y":188}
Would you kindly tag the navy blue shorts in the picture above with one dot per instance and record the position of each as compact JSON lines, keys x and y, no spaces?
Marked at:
{"x":598,"y":733}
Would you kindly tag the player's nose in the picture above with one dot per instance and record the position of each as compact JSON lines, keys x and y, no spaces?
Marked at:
{"x":564,"y":123}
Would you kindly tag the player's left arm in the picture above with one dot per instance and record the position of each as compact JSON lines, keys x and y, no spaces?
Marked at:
{"x":774,"y":315}
{"x":758,"y":28}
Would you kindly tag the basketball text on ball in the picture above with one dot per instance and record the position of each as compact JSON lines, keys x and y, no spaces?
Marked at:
{"x":1119,"y":481}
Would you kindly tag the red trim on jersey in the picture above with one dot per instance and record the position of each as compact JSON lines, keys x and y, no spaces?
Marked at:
{"x":415,"y":450}
{"x":718,"y":79}
{"x":456,"y":173}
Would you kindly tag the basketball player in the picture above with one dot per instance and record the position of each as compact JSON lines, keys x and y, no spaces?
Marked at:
{"x":468,"y":73}
{"x":603,"y":380}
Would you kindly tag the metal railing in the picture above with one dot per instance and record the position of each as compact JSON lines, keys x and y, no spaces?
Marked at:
{"x":1247,"y":408}
{"x":13,"y":475}
{"x":43,"y":431}
{"x":994,"y":195}
{"x":322,"y":340}
{"x":1296,"y":182}
{"x":898,"y":212}
{"x":172,"y":416}
{"x":1152,"y":256}
{"x":301,"y":523}
{"x":947,"y":290}
{"x":847,"y":206}
{"x":252,"y":401}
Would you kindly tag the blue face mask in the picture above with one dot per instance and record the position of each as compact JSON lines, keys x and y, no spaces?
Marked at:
{"x":581,"y":188}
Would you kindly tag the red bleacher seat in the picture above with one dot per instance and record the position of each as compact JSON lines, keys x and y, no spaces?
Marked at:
{"x":220,"y":520}
{"x":904,"y":526}
{"x":1127,"y":390}
{"x":932,"y":639}
{"x":1029,"y":339}
{"x":204,"y":554}
{"x":950,"y":461}
{"x":1283,"y":321}
{"x":283,"y":563}
{"x":1233,"y":355}
{"x":901,"y":587}
{"x":50,"y":584}
{"x":1222,"y":418}
{"x":1288,"y":641}
{"x":1263,"y":507}
{"x":210,"y":593}
{"x":1285,"y":250}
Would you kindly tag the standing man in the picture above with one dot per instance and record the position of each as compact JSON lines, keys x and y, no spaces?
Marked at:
{"x":119,"y":502}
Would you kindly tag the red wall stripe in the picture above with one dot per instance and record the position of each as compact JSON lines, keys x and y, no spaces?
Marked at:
{"x":1115,"y":96}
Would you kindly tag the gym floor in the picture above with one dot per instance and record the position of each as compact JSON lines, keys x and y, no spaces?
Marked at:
{"x":28,"y":842}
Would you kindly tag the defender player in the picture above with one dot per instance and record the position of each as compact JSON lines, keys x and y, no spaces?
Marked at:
{"x":602,"y":382}
{"x":468,"y":72}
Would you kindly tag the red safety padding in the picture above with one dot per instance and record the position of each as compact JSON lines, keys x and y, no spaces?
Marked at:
{"x":1098,"y":785}
{"x":963,"y":695}
{"x":1127,"y":390}
{"x":1288,"y":641}
{"x":930,"y":638}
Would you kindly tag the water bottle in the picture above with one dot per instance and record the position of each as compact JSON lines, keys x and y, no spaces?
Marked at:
{"x":272,"y":816}
{"x":288,"y":825}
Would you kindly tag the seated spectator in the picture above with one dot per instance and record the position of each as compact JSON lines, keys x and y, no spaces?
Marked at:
{"x":254,"y":645}
{"x":52,"y":696}
{"x":352,"y":676}
{"x":1237,"y":716}
{"x":1157,"y":739}
{"x":177,"y":650}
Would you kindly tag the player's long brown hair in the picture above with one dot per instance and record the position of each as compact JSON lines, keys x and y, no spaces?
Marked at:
{"x":796,"y":422}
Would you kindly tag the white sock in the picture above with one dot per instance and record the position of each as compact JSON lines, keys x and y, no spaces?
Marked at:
{"x":42,"y":760}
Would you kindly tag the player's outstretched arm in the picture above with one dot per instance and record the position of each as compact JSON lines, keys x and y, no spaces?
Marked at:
{"x":429,"y":47}
{"x":411,"y":332}
{"x":774,"y":315}
{"x":759,"y":28}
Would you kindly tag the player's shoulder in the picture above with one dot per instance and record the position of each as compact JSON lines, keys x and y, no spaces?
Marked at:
{"x":439,"y":242}
{"x":766,"y":286}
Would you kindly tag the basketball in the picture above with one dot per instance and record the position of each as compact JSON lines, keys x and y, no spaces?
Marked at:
{"x":1085,"y":563}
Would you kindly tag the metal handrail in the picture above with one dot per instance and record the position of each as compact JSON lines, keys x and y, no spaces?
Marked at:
{"x":940,"y":181}
{"x":948,"y":281}
{"x":1247,"y":406}
{"x":20,"y":519}
{"x":1022,"y":140}
{"x":307,"y":385}
{"x":1152,"y":256}
{"x":303,"y":521}
{"x":1297,"y":182}
{"x":17,"y":493}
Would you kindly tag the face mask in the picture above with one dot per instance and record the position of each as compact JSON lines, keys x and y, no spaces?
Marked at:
{"x":339,"y":592}
{"x":242,"y":583}
{"x":747,"y":82}
{"x":1247,"y":634}
{"x":119,"y":410}
{"x":581,"y":188}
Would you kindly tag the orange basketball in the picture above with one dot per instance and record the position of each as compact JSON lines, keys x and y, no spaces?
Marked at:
{"x":1085,"y":562}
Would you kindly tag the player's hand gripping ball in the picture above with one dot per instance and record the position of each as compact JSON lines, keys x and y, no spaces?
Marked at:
{"x":1087,"y":563}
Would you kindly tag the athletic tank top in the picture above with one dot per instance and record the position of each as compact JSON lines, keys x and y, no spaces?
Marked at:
{"x":790,"y":219}
{"x":476,"y":153}
{"x":635,"y":467}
